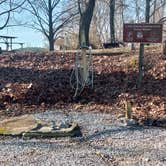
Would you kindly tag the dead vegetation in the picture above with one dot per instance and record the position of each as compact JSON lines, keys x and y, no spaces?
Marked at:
{"x":32,"y":82}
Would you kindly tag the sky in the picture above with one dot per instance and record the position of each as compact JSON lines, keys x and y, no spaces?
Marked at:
{"x":30,"y":37}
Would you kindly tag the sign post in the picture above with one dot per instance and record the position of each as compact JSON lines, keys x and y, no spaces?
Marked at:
{"x":140,"y":65}
{"x":142,"y":33}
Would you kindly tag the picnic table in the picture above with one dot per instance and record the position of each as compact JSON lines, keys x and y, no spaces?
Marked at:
{"x":8,"y":41}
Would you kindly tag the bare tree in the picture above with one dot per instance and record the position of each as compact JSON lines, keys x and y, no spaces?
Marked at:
{"x":8,"y":7}
{"x":120,"y":8}
{"x":103,"y":19}
{"x":49,"y":17}
{"x":134,"y":10}
{"x":157,"y":10}
{"x":112,"y":20}
{"x":100,"y":21}
{"x":86,"y":9}
{"x":147,"y":12}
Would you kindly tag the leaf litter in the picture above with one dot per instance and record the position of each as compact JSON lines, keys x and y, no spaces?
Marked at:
{"x":37,"y":81}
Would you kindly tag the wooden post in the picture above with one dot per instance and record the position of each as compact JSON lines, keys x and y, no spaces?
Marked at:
{"x":140,"y":66}
{"x":132,"y":47}
{"x":141,"y":50}
{"x":164,"y":49}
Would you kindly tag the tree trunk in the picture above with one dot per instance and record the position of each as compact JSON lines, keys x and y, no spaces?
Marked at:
{"x":137,"y":10}
{"x":85,"y":21}
{"x":112,"y":20}
{"x":164,"y":49}
{"x":147,"y":13}
{"x":51,"y":43}
{"x":154,"y":14}
{"x":51,"y":32}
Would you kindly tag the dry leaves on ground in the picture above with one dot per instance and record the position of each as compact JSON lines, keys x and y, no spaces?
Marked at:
{"x":32,"y":82}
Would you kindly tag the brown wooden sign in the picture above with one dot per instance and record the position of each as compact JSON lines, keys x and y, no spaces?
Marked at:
{"x":142,"y":33}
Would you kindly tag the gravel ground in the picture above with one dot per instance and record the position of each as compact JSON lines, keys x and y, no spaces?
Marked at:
{"x":105,"y":141}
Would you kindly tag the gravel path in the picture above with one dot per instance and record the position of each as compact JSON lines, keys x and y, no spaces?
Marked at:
{"x":105,"y":142}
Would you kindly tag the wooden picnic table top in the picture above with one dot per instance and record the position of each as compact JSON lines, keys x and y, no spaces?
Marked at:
{"x":8,"y":37}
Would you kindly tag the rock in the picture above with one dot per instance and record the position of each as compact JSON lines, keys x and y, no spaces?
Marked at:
{"x":72,"y":131}
{"x":148,"y":122}
{"x":128,"y":122}
{"x":63,"y":125}
{"x":43,"y":129}
{"x":163,"y":159}
{"x":146,"y":159}
{"x":29,"y":126}
{"x":161,"y":122}
{"x":18,"y":125}
{"x":132,"y":122}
